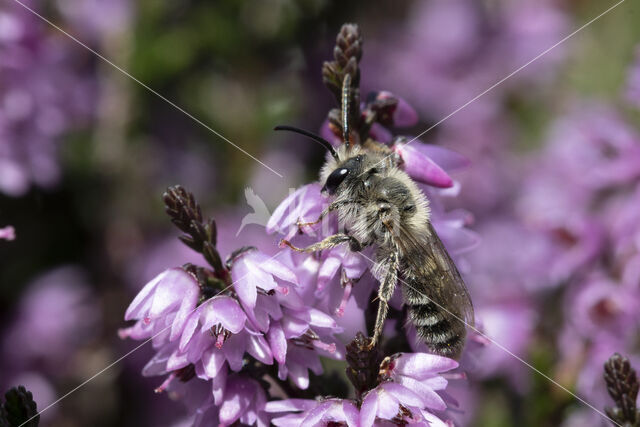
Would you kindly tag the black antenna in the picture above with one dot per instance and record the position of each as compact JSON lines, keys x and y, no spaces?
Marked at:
{"x":320,"y":140}
{"x":346,"y":97}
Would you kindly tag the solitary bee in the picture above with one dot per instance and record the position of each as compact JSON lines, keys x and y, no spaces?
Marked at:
{"x":380,"y":205}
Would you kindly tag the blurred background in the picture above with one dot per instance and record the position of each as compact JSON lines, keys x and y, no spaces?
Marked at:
{"x":86,"y":152}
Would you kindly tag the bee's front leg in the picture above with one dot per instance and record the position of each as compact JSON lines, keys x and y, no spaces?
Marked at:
{"x":327,"y":243}
{"x":332,"y":207}
{"x":385,"y":292}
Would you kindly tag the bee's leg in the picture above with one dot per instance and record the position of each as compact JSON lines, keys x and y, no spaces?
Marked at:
{"x":385,"y":292}
{"x":328,"y":243}
{"x":333,"y":206}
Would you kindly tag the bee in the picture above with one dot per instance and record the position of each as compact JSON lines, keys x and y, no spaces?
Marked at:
{"x":380,"y":205}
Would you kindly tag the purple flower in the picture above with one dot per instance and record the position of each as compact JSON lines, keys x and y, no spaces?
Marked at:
{"x":314,"y":413}
{"x":407,"y":393}
{"x":254,"y":269}
{"x":7,"y":233}
{"x":264,"y":318}
{"x":244,"y":401}
{"x":598,"y":305}
{"x":303,"y":205}
{"x":55,"y":316}
{"x":163,"y":305}
{"x":528,"y":29}
{"x":593,"y":147}
{"x":41,"y":98}
{"x":417,"y":163}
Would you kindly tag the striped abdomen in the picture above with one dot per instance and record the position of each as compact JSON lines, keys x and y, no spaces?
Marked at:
{"x":435,"y":319}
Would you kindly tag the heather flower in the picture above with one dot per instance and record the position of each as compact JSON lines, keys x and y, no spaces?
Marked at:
{"x":528,"y":29}
{"x":252,"y":269}
{"x":42,"y":98}
{"x":215,"y":335}
{"x":164,"y":302}
{"x":255,"y":326}
{"x":407,"y":392}
{"x":595,"y":148}
{"x":244,"y":401}
{"x":419,"y":165}
{"x":7,"y":233}
{"x":454,"y":50}
{"x":303,"y":205}
{"x":582,"y":194}
{"x":57,"y":313}
{"x":600,"y":305}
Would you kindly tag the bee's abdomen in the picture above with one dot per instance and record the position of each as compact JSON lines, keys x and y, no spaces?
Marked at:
{"x":439,"y":329}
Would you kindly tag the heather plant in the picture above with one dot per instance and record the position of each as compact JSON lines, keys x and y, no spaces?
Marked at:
{"x":234,"y":327}
{"x":254,"y":328}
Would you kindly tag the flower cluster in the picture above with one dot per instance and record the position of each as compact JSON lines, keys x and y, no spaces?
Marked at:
{"x":42,"y":95}
{"x":231,"y":323}
{"x":252,"y":330}
{"x":400,"y":389}
{"x":584,"y":196}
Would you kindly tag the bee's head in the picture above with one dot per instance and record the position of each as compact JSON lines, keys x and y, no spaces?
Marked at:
{"x":350,"y":168}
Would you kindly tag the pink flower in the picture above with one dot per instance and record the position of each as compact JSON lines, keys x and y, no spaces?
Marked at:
{"x":253,"y":270}
{"x":7,"y":233}
{"x":408,"y":393}
{"x":164,"y":303}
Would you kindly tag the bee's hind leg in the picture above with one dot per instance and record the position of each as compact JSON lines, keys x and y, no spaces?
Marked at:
{"x":328,"y":243}
{"x":385,"y":292}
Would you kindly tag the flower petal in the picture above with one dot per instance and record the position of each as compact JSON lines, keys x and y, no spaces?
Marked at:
{"x":234,"y":348}
{"x":140,"y":305}
{"x":351,"y":414}
{"x":272,"y":266}
{"x":316,"y":415}
{"x":448,"y":160}
{"x":277,"y":342}
{"x":244,"y":286}
{"x":290,"y":405}
{"x":218,"y":385}
{"x":222,"y":310}
{"x":420,"y":167}
{"x":429,"y":397}
{"x":236,"y":400}
{"x":369,"y":409}
{"x":212,"y":361}
{"x":258,"y":347}
{"x":405,"y":115}
{"x":423,"y":365}
{"x":388,"y":405}
{"x":403,"y":394}
{"x":171,"y":290}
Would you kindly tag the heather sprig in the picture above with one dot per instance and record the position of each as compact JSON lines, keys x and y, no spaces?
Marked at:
{"x":622,"y":385}
{"x":19,"y":409}
{"x":186,"y":214}
{"x":254,"y":329}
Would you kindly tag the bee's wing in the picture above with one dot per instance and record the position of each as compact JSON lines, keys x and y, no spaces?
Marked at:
{"x":453,"y":291}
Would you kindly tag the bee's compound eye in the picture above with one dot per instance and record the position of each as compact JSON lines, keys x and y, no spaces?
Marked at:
{"x":335,"y":179}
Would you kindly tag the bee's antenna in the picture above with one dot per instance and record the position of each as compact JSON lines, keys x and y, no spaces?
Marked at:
{"x":346,"y":97}
{"x":320,"y":140}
